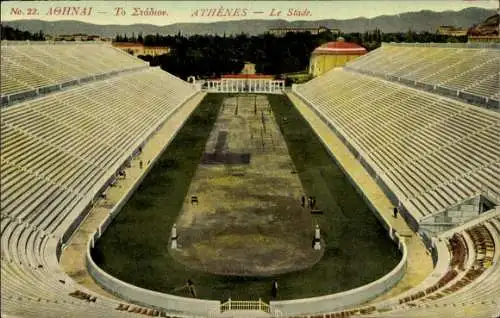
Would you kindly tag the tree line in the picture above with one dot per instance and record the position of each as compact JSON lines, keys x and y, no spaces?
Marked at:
{"x":213,"y":55}
{"x":13,"y":34}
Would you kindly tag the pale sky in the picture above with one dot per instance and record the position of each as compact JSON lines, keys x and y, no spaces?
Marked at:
{"x":105,"y":12}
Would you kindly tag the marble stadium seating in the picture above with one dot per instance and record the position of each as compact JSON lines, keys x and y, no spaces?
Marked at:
{"x":433,"y":151}
{"x":58,"y":151}
{"x":31,"y":66}
{"x":463,"y":71}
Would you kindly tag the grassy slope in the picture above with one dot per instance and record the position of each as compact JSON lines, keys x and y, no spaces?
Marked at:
{"x":135,"y":247}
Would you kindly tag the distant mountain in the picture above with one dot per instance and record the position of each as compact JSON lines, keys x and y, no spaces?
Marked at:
{"x":416,"y":21}
{"x":488,"y":27}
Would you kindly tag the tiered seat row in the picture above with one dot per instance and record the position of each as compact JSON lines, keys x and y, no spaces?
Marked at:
{"x":479,"y":283}
{"x":32,"y":278}
{"x":458,"y":249}
{"x":58,"y":148}
{"x":33,"y":284}
{"x":466,"y":264}
{"x":435,"y":151}
{"x":471,"y":70}
{"x":476,"y":285}
{"x":58,"y":152}
{"x":30,"y":66}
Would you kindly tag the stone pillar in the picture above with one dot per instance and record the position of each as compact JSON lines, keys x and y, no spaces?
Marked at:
{"x":174,"y":237}
{"x":317,"y":238}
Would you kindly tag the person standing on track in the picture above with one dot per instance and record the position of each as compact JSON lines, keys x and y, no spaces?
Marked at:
{"x":274,"y":289}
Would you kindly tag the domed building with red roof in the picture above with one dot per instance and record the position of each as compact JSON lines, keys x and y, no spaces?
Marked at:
{"x":333,"y":54}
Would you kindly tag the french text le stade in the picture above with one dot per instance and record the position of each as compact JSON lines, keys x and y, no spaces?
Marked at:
{"x":242,"y":12}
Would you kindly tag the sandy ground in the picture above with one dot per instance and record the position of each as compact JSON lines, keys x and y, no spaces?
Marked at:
{"x":248,"y":219}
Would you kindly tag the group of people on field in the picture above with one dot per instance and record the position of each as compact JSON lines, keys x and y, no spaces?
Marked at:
{"x":311,"y":202}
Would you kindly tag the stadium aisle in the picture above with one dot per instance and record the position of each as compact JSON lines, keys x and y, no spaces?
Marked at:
{"x":419,"y":264}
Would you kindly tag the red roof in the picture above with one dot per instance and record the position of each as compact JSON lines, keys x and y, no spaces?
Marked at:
{"x":247,"y":76}
{"x":340,"y":48}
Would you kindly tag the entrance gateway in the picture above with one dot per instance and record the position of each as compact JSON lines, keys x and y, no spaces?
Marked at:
{"x":244,"y":83}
